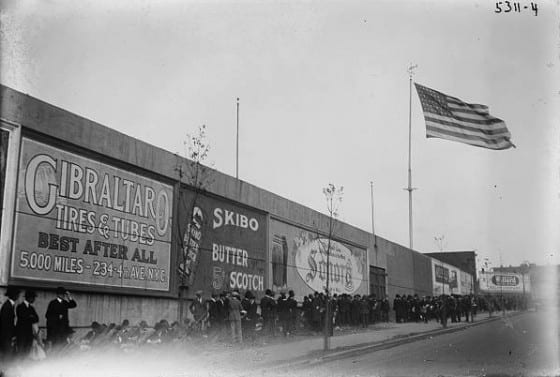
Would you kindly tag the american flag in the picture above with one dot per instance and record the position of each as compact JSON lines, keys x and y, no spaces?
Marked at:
{"x":452,"y":119}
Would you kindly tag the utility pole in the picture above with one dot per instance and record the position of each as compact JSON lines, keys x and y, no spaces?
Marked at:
{"x":237,"y":144}
{"x":443,"y":279}
{"x":502,"y":286}
{"x":373,"y":224}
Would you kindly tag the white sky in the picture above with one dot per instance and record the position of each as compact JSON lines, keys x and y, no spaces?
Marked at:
{"x":324,"y":98}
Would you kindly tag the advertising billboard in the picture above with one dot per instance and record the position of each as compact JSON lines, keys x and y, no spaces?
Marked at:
{"x":504,"y":282}
{"x":88,"y":223}
{"x":222,"y":245}
{"x":466,"y":283}
{"x":299,"y":262}
{"x":446,"y":278}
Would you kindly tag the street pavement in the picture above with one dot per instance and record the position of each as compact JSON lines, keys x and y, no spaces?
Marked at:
{"x":283,"y":356}
{"x":520,"y":345}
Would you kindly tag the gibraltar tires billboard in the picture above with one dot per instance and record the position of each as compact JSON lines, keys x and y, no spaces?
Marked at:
{"x":88,"y":223}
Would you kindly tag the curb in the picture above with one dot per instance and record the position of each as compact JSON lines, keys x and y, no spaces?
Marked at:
{"x":349,"y":351}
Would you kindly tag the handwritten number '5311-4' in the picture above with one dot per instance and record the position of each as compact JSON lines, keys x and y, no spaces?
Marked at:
{"x":508,"y":6}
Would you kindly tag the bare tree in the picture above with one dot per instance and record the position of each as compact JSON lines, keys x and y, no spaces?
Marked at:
{"x":333,"y":197}
{"x":194,"y":173}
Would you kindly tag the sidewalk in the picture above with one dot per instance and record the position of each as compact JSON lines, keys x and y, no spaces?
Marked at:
{"x":204,"y":358}
{"x":297,"y":351}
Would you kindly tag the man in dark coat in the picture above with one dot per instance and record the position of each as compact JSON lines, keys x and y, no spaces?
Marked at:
{"x":316,"y":311}
{"x":292,"y":307}
{"x":268,"y":312}
{"x":26,"y":317}
{"x":58,"y":328}
{"x":199,"y":311}
{"x":249,"y":321}
{"x":443,"y":310}
{"x":356,"y":306}
{"x":7,"y":324}
{"x":283,"y":312}
{"x":364,"y":311}
{"x":307,"y":308}
{"x":235,"y":313}
{"x":214,"y":312}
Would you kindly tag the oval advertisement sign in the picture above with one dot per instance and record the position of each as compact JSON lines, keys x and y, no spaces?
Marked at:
{"x":344,"y":271}
{"x":505,"y":280}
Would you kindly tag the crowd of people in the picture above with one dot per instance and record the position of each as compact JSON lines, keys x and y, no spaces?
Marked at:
{"x":440,"y":308}
{"x":19,"y":324}
{"x":229,"y":318}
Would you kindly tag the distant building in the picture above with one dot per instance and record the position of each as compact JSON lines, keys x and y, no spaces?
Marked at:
{"x":464,"y":260}
{"x":545,"y":280}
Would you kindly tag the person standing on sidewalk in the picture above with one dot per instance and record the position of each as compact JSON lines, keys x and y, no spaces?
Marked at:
{"x":356,"y":310}
{"x":316,"y":312}
{"x":364,"y":312}
{"x":385,"y":309}
{"x":397,"y":308}
{"x":58,"y":328}
{"x":283,"y":312}
{"x":268,"y":312}
{"x":26,"y":326}
{"x":8,"y":324}
{"x":249,"y":322}
{"x":443,"y":310}
{"x":235,"y":313}
{"x":213,"y":315}
{"x":223,"y":314}
{"x":293,"y":312}
{"x":199,"y":311}
{"x":466,"y":304}
{"x":474,"y":307}
{"x":344,"y":309}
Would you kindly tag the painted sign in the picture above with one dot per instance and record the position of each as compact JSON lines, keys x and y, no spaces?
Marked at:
{"x":466,"y":285}
{"x":445,"y":278}
{"x":84,"y":222}
{"x":497,"y":282}
{"x":223,"y":245}
{"x":312,"y":261}
{"x":299,"y":262}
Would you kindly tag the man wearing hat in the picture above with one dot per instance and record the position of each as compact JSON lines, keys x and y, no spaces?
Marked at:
{"x":268,"y":312}
{"x":58,"y":328}
{"x":199,"y":311}
{"x":26,"y":317}
{"x":235,"y":312}
{"x":249,"y":321}
{"x":7,"y":323}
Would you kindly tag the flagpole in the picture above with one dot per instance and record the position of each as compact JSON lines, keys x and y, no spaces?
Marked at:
{"x":237,"y":144}
{"x":409,"y":188}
